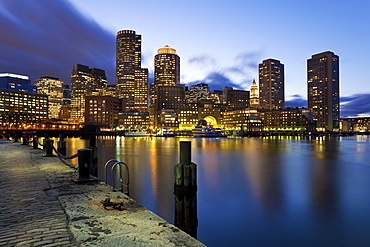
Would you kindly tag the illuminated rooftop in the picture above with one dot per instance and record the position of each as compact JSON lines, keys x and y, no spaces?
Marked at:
{"x":166,"y":50}
{"x":24,"y":77}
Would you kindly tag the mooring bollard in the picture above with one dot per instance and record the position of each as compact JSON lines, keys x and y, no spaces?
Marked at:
{"x":49,"y":148}
{"x":16,"y":138}
{"x":185,"y":171}
{"x":61,"y":145}
{"x":24,"y":140}
{"x":84,"y":166}
{"x":185,"y":190}
{"x":35,"y":144}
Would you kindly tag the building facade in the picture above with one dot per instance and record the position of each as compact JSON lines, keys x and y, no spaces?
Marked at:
{"x":235,"y":99}
{"x":323,"y":90}
{"x":84,"y":82}
{"x":17,"y":82}
{"x":242,"y":120}
{"x":22,"y":110}
{"x":197,"y":92}
{"x":131,"y":79}
{"x":166,"y":93}
{"x":102,"y":111}
{"x":288,"y":119}
{"x":271,"y":84}
{"x":53,"y":88}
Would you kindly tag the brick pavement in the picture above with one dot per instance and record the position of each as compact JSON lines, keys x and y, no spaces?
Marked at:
{"x":28,"y":215}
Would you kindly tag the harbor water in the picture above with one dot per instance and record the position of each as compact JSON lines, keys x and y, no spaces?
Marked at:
{"x":275,"y":191}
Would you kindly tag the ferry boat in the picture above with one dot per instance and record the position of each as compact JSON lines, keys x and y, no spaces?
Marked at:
{"x":204,"y":131}
{"x":135,"y":134}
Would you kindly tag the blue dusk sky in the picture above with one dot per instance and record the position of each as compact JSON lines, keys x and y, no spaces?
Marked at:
{"x":220,"y":43}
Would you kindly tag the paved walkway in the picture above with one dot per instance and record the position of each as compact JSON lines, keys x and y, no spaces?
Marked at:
{"x":41,"y":206}
{"x":28,"y":216}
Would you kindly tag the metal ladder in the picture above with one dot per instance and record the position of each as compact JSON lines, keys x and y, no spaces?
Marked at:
{"x":117,"y":176}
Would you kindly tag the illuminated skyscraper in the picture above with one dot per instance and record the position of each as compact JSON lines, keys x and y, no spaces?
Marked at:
{"x":323,"y":90}
{"x":166,"y":67}
{"x":271,"y":84}
{"x":53,"y":88}
{"x":131,"y":79}
{"x":84,"y":82}
{"x":165,"y":91}
{"x":254,"y":100}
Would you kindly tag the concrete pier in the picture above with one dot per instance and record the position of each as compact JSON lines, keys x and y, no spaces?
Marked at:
{"x":41,"y":206}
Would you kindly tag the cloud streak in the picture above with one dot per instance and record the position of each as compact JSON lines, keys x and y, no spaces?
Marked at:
{"x":42,"y":37}
{"x":239,"y":75}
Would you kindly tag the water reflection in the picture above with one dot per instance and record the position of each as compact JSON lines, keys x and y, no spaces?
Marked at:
{"x":275,"y":191}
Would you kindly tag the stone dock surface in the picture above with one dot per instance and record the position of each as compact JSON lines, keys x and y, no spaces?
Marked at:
{"x":40,"y":205}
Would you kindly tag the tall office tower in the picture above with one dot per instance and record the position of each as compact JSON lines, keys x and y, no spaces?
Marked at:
{"x":53,"y":88}
{"x":84,"y":82}
{"x":166,"y":71}
{"x":131,"y":79}
{"x":167,"y":67}
{"x":323,"y":90}
{"x":271,"y":84}
{"x":254,"y":101}
{"x":141,"y":93}
{"x":166,"y":77}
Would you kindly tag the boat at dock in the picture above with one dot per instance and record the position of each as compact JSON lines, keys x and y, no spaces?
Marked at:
{"x":204,"y":131}
{"x":135,"y":134}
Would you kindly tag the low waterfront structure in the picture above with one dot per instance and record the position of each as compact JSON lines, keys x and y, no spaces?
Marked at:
{"x":22,"y":109}
{"x":287,"y":119}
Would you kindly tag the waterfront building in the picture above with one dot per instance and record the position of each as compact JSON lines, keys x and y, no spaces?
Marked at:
{"x":188,"y":117}
{"x":355,"y":124}
{"x":271,"y":84}
{"x":17,"y":82}
{"x":197,"y":92}
{"x":323,"y":90}
{"x":167,"y":118}
{"x":287,"y":119}
{"x":235,"y":99}
{"x":53,"y":88}
{"x":102,"y":111}
{"x":247,"y":119}
{"x":254,"y":98}
{"x":211,"y":112}
{"x":84,"y":82}
{"x":131,"y":79}
{"x":133,"y":120}
{"x":22,"y":110}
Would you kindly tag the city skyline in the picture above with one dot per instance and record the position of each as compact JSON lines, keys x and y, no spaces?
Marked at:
{"x":87,"y":36}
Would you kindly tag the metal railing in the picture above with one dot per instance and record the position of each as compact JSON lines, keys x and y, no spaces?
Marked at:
{"x":116,"y":176}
